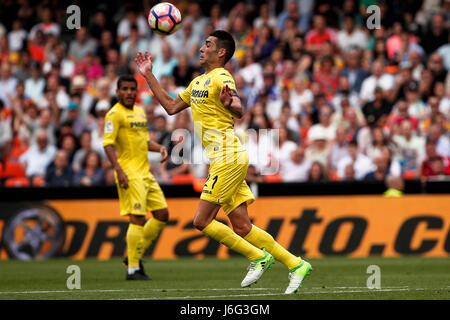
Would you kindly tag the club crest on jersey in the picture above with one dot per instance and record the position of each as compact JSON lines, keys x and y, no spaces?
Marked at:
{"x":137,"y":207}
{"x":207,"y":83}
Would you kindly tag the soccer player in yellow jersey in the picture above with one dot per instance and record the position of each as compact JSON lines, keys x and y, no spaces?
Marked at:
{"x":214,"y":102}
{"x":126,"y":143}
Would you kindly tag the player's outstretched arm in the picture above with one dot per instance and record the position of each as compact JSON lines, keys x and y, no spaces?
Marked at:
{"x":172,"y":106}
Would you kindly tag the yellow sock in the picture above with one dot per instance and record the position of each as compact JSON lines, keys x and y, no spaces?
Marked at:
{"x":134,"y":243}
{"x":222,"y":233}
{"x":262,"y":239}
{"x":151,"y":230}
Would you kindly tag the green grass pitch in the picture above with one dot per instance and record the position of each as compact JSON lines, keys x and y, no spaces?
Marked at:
{"x":210,"y":279}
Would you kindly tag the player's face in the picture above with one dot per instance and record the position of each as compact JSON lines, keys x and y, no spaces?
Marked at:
{"x":127,"y":93}
{"x":208,"y":52}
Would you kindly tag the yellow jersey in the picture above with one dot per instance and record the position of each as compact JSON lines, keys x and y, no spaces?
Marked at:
{"x":127,"y":130}
{"x":212,"y":121}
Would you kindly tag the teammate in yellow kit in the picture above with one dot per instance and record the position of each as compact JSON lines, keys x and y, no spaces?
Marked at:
{"x":214,"y":102}
{"x":126,"y":143}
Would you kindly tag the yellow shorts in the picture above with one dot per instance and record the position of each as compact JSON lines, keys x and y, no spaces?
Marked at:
{"x":141,"y":196}
{"x":226,"y":184}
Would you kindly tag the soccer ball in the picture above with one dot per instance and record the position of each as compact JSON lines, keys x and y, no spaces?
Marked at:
{"x":164,"y":18}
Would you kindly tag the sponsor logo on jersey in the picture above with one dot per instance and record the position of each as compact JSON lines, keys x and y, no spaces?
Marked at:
{"x":199,"y":93}
{"x":138,"y":124}
{"x":207,"y":83}
{"x":109,"y":127}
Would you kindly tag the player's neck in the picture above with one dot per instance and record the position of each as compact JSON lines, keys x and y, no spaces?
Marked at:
{"x":128,"y":107}
{"x":208,"y":69}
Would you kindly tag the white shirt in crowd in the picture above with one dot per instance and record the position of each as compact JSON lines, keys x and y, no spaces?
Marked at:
{"x":37,"y":160}
{"x":348,"y":41}
{"x":362,"y":166}
{"x":297,"y":100}
{"x":386,"y":82}
{"x":295,"y":172}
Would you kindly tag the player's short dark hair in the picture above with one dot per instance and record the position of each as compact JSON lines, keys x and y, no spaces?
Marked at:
{"x":225,"y":40}
{"x":125,"y":78}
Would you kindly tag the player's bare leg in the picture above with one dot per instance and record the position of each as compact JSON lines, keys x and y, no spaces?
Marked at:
{"x":298,"y":269}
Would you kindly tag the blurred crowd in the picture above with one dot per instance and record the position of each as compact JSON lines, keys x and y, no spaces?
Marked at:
{"x":349,"y":100}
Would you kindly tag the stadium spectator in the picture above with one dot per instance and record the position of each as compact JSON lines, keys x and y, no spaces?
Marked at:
{"x":409,"y":147}
{"x":40,"y":154}
{"x":442,"y":141}
{"x":286,"y":145}
{"x":265,"y":17}
{"x":6,"y":134}
{"x":381,"y":169}
{"x":344,"y":92}
{"x":81,"y":45}
{"x":132,"y":17}
{"x":426,"y":169}
{"x":296,"y":167}
{"x":362,"y":164}
{"x":185,"y":41}
{"x":438,"y":166}
{"x":59,"y":173}
{"x":436,"y":35}
{"x":416,"y":107}
{"x":338,"y":150}
{"x":178,"y":163}
{"x":47,"y":123}
{"x":69,"y":144}
{"x":400,"y":114}
{"x":106,"y":43}
{"x":354,"y":71}
{"x":301,"y":97}
{"x":319,"y":34}
{"x":376,"y":112}
{"x":218,"y":19}
{"x":17,"y":37}
{"x":165,"y":63}
{"x":100,"y":24}
{"x":133,"y":44}
{"x":85,"y":148}
{"x":91,"y":172}
{"x":97,"y":133}
{"x":293,"y":12}
{"x":35,"y":85}
{"x":47,"y":26}
{"x":379,"y":78}
{"x":194,"y":11}
{"x":7,"y":83}
{"x":326,"y":129}
{"x":349,"y":173}
{"x":350,"y":37}
{"x":317,"y":172}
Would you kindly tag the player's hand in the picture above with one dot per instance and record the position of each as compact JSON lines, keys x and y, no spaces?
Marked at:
{"x":225,"y":96}
{"x":164,"y":154}
{"x":123,"y":179}
{"x":144,"y":62}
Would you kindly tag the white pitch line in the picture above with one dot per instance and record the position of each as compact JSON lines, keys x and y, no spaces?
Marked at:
{"x":59,"y":291}
{"x":386,"y":289}
{"x":273,"y":294}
